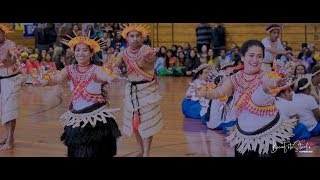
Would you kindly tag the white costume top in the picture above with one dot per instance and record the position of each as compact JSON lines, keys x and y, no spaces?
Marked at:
{"x":87,"y":91}
{"x":286,"y":108}
{"x":268,"y":56}
{"x":305,"y":104}
{"x":216,"y":117}
{"x":250,"y":122}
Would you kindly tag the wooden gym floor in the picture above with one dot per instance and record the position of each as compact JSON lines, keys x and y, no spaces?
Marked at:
{"x":38,"y":130}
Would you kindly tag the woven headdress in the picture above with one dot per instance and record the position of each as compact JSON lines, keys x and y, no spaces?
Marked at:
{"x":142,"y":28}
{"x":33,"y":56}
{"x":274,"y":26}
{"x":82,"y":39}
{"x":6,"y":27}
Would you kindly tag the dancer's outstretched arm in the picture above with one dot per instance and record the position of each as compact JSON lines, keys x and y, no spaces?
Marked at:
{"x":60,"y":78}
{"x":104,"y":75}
{"x":119,"y":60}
{"x":226,"y":89}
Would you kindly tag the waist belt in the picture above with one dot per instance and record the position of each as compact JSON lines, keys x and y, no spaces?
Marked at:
{"x":264,"y":128}
{"x":140,"y":82}
{"x":5,"y":77}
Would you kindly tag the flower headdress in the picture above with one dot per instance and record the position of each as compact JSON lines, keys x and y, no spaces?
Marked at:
{"x":23,"y":54}
{"x":33,"y":55}
{"x":142,"y":28}
{"x":82,"y":39}
{"x":7,"y":28}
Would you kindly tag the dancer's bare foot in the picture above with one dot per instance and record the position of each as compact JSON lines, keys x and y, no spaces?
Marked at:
{"x":8,"y":145}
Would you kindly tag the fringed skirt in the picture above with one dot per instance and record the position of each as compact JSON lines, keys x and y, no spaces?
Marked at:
{"x":90,"y":132}
{"x":272,"y":140}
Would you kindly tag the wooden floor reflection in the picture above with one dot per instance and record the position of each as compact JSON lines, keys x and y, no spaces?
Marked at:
{"x":38,"y":130}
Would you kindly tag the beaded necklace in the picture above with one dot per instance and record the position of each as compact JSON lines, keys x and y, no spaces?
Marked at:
{"x":131,"y":58}
{"x":241,"y":83}
{"x":246,"y":88}
{"x":80,"y":81}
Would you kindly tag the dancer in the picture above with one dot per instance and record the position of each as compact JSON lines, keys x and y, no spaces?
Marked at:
{"x":90,"y":129}
{"x":259,"y":130}
{"x":142,"y":114}
{"x":10,"y":85}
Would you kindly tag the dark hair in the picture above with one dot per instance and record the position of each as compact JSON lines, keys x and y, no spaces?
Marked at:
{"x":315,"y":68}
{"x":304,"y":45}
{"x":284,"y":90}
{"x":223,"y":49}
{"x":182,"y":61}
{"x":159,"y":52}
{"x":245,"y":46}
{"x":302,"y":82}
{"x":196,"y":75}
{"x":288,"y":49}
{"x":195,"y":56}
{"x":295,"y":69}
{"x":308,"y":53}
{"x":167,"y":59}
{"x":174,"y":46}
{"x":214,"y":55}
{"x":217,"y":80}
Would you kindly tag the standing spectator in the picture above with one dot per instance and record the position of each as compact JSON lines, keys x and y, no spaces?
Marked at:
{"x":218,"y":38}
{"x":41,"y":40}
{"x":51,"y":34}
{"x":204,"y":35}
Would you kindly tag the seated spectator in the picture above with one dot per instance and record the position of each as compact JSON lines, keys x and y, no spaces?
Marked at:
{"x":192,"y":63}
{"x":191,"y":106}
{"x":309,"y":113}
